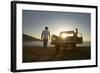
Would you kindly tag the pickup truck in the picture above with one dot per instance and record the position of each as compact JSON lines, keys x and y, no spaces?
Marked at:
{"x":67,"y":39}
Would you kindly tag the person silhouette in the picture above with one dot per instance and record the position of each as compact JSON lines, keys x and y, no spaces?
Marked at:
{"x":76,"y":35}
{"x":45,"y":36}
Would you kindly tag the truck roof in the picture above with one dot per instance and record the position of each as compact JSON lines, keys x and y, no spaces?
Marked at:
{"x":67,"y":32}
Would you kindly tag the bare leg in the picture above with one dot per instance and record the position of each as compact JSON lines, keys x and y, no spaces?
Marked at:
{"x":45,"y":41}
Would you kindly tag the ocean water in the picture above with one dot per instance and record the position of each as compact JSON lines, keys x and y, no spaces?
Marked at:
{"x":85,"y":44}
{"x":36,"y":43}
{"x":40,"y":43}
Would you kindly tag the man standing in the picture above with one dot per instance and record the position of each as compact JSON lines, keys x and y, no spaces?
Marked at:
{"x":45,"y":36}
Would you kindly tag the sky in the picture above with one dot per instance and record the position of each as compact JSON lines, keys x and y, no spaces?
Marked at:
{"x":34,"y":22}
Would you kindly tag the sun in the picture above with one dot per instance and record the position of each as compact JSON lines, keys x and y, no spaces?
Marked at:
{"x":64,"y":35}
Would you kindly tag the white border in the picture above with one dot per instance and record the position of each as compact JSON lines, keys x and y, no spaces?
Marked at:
{"x":38,"y":65}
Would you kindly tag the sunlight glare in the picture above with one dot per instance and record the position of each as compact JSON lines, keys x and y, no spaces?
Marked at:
{"x":64,"y":35}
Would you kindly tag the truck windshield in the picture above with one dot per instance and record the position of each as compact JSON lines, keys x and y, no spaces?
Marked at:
{"x":65,"y":35}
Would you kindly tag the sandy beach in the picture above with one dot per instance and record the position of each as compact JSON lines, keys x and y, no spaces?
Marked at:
{"x":37,"y":54}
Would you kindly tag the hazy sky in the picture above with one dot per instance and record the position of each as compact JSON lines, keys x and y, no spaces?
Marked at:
{"x":35,"y":21}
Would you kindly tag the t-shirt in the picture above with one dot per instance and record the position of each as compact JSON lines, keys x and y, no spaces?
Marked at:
{"x":45,"y":34}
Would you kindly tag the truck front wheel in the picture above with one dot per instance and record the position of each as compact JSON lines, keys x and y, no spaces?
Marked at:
{"x":74,"y":46}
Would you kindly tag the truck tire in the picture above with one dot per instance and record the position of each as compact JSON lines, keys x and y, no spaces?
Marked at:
{"x":57,"y":48}
{"x":74,"y":46}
